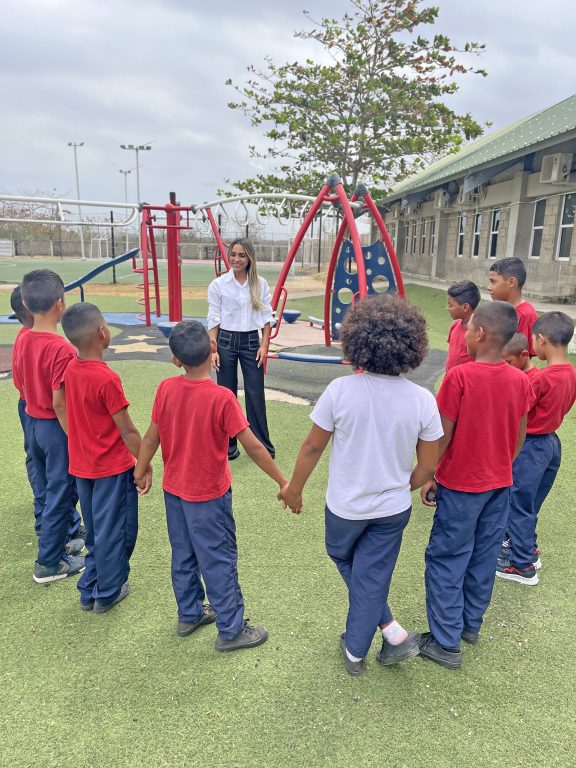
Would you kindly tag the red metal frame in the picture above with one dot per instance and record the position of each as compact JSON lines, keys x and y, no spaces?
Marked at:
{"x":221,"y":249}
{"x":388,"y":243}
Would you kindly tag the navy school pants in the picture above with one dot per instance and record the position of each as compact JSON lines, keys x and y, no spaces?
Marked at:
{"x":461,"y":560}
{"x":233,"y":348}
{"x":203,"y":539}
{"x":365,"y":553}
{"x":39,"y":491}
{"x":56,"y":488}
{"x":534,"y":473}
{"x":30,"y":466}
{"x":110,"y":509}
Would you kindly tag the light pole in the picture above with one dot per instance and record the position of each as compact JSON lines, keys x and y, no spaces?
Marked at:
{"x":126,"y":200}
{"x":75,"y":145}
{"x":137,"y":148}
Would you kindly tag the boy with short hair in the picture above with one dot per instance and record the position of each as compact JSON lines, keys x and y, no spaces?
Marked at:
{"x":505,"y":283}
{"x":537,"y":465}
{"x":516,"y":353}
{"x":192,"y":420}
{"x":483,"y":406}
{"x":102,"y":445}
{"x":26,"y":319}
{"x":463,"y":298}
{"x":42,"y":359}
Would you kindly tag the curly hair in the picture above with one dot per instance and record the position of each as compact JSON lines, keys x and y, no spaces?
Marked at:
{"x":384,"y":334}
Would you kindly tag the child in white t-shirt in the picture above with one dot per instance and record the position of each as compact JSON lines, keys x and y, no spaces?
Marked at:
{"x":377,"y":420}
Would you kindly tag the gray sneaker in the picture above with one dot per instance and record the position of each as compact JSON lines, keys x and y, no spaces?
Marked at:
{"x":68,"y":566}
{"x":250,"y":637}
{"x":352,"y":667}
{"x":186,"y":628}
{"x":391,"y":654}
{"x":74,"y":546}
{"x":103,"y":608}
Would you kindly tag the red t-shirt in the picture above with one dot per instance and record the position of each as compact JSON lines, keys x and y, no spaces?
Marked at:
{"x":555,"y":392}
{"x":42,"y":360}
{"x":93,"y":394}
{"x":457,"y":350}
{"x":527,"y":316}
{"x":16,"y":354}
{"x":487,"y":402}
{"x":195,"y":420}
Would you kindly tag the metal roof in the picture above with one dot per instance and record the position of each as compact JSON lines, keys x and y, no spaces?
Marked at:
{"x":516,"y":140}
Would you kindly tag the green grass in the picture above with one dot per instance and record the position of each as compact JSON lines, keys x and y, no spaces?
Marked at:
{"x":121,"y":689}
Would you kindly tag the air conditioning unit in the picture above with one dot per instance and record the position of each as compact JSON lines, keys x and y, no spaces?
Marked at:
{"x":441,"y":199}
{"x":464,"y":198}
{"x":556,"y":169}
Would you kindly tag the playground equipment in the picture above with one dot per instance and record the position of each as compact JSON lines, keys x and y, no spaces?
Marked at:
{"x":354,"y":270}
{"x":81,"y":281}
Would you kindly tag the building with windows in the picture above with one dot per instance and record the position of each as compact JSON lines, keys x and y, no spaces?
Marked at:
{"x":511,"y":193}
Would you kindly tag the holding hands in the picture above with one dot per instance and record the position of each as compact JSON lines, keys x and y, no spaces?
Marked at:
{"x":291,"y":498}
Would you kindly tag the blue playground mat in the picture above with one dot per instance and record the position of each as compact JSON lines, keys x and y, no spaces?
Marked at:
{"x":117,"y":318}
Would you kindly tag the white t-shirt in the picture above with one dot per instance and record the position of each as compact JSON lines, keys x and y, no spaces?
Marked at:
{"x":230,"y":304}
{"x":377,"y":421}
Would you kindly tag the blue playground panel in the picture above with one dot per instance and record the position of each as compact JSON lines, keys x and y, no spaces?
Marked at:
{"x":378,"y":270}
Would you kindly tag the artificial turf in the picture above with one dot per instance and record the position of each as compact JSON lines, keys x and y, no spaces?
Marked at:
{"x":121,"y":689}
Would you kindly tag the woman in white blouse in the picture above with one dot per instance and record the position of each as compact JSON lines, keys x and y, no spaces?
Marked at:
{"x":239,"y":309}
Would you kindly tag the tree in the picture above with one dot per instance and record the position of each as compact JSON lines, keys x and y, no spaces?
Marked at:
{"x":372,"y":107}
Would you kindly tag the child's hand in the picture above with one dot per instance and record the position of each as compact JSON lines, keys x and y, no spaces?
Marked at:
{"x":291,"y":498}
{"x":144,"y":483}
{"x":428,"y":493}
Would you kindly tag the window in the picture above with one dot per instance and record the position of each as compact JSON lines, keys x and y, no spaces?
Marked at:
{"x":537,"y":229}
{"x":476,"y":236}
{"x":566,"y":227}
{"x":423,"y":232}
{"x":494,"y":227}
{"x":432,"y":236}
{"x":461,"y":233}
{"x":392,"y":232}
{"x":414,"y":236}
{"x":406,"y":239}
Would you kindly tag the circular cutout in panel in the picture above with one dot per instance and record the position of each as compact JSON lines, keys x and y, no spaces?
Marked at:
{"x":381,"y":260}
{"x":348,"y":281}
{"x":345,"y":296}
{"x":368,"y":271}
{"x":368,"y":255}
{"x":350,"y":265}
{"x":380,"y":284}
{"x":337,"y":310}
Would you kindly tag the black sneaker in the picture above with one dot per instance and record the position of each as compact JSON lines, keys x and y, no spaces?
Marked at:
{"x":526,"y":576}
{"x":234,"y":455}
{"x":429,"y":649}
{"x":352,"y":667}
{"x":80,"y":533}
{"x":470,"y":637}
{"x":390,"y":654}
{"x":103,"y":608}
{"x":68,"y":566}
{"x":250,"y":637}
{"x":74,"y":546}
{"x":186,"y":628}
{"x":89,"y":606}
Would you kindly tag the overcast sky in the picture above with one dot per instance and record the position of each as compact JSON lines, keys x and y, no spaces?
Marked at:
{"x":136,"y":71}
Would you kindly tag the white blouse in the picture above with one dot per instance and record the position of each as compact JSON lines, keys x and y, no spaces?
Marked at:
{"x":230,"y":305}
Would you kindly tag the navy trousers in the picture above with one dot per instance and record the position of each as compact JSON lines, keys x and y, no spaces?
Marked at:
{"x":30,"y":466}
{"x":534,"y":473}
{"x":56,"y":488}
{"x":110,"y":509}
{"x":365,"y":553}
{"x":461,"y":560}
{"x":234,"y":348}
{"x":203,"y":539}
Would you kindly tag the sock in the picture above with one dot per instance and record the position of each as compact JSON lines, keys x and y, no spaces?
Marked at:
{"x":352,"y":658}
{"x":395,"y":633}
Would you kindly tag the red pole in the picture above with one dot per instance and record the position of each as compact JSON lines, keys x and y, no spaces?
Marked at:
{"x":330,"y":281}
{"x":219,"y":241}
{"x":388,"y":243}
{"x":174,"y":267}
{"x":144,"y":253}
